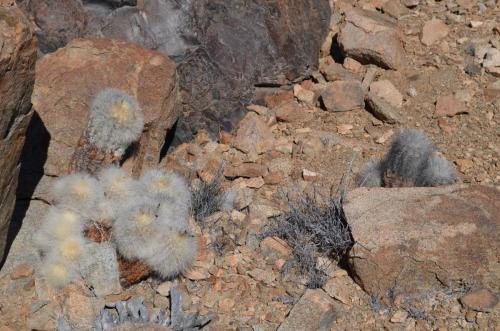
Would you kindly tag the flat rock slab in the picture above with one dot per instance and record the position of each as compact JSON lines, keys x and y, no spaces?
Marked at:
{"x":415,"y":241}
{"x":343,"y":96}
{"x":68,"y":80}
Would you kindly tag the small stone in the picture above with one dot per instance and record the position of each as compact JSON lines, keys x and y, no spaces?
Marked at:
{"x":491,"y":58}
{"x":226,"y":304}
{"x":433,"y":31}
{"x":480,"y":300}
{"x":343,"y":96}
{"x":268,"y":277}
{"x":475,"y":24}
{"x":82,"y":310}
{"x":382,"y":139}
{"x":344,"y":128}
{"x":399,"y":317}
{"x":412,"y":92}
{"x":410,"y":3}
{"x":449,"y":106}
{"x":385,"y":90}
{"x":292,"y":112}
{"x":381,"y":109}
{"x":394,"y":8}
{"x":256,"y":182}
{"x":197,"y":273}
{"x":261,"y":110}
{"x":312,"y":146}
{"x":253,"y":135}
{"x":21,"y":271}
{"x":274,"y":178}
{"x":303,"y":95}
{"x":470,"y":316}
{"x":246,"y":170}
{"x":244,"y":197}
{"x":464,"y":165}
{"x":335,"y":71}
{"x":352,"y":65}
{"x":164,"y":288}
{"x":309,"y":176}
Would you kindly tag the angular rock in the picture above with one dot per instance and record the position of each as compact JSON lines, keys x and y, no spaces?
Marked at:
{"x":335,"y":71}
{"x":449,"y":106}
{"x":314,"y":311}
{"x":382,"y":109}
{"x":253,"y":135}
{"x":99,"y":269}
{"x":17,"y":75}
{"x":224,"y":49}
{"x":480,"y":300}
{"x":247,"y":170}
{"x":412,"y":242}
{"x":57,"y":21}
{"x":433,"y":31}
{"x":343,"y":96}
{"x":385,"y":90}
{"x":371,"y":38}
{"x":82,"y":310}
{"x":68,"y":80}
{"x":292,"y":112}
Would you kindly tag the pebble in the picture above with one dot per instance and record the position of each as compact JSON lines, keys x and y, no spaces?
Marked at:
{"x":21,"y":271}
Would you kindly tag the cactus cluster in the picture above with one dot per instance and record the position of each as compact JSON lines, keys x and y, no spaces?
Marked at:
{"x":412,"y":160}
{"x":148,"y":216}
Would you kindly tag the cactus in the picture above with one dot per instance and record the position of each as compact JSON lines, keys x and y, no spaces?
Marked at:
{"x":115,"y":121}
{"x":412,"y":160}
{"x":78,"y":191}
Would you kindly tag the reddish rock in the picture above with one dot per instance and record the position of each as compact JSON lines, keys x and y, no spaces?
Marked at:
{"x":273,"y":178}
{"x":433,"y":31}
{"x":371,"y":38}
{"x":335,"y":71}
{"x":247,"y":170}
{"x":21,"y":271}
{"x":480,"y":300}
{"x":449,"y":106}
{"x":279,"y":97}
{"x":309,"y":176}
{"x":292,"y":112}
{"x":415,"y":241}
{"x":17,"y":74}
{"x":68,"y":80}
{"x":57,"y":21}
{"x":253,"y":135}
{"x":343,"y":96}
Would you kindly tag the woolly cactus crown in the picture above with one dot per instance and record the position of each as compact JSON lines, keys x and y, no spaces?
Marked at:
{"x":79,"y":192}
{"x":372,"y":174}
{"x":437,"y":171}
{"x":115,"y":120}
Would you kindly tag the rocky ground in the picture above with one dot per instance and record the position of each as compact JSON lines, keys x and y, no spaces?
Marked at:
{"x":427,"y":262}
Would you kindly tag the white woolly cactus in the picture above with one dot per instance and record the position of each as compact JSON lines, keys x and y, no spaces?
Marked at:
{"x":148,"y":220}
{"x":412,"y":160}
{"x":115,"y":120}
{"x":78,"y":191}
{"x":175,"y":253}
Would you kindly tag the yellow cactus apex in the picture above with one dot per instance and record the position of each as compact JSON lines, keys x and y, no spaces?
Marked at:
{"x":71,"y":248}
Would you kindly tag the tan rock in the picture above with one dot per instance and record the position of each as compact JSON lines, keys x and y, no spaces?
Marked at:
{"x":371,"y":38}
{"x":352,"y":65}
{"x":164,"y":288}
{"x":480,"y":300}
{"x":256,"y":182}
{"x":381,"y":109}
{"x":344,"y":128}
{"x":253,"y":135}
{"x":343,"y":96}
{"x":69,"y":79}
{"x":305,"y":96}
{"x":385,"y":90}
{"x":399,"y":317}
{"x":431,"y":239}
{"x":335,"y":71}
{"x":247,"y":170}
{"x":292,"y":112}
{"x":18,"y":52}
{"x":314,"y":311}
{"x":309,"y":176}
{"x":433,"y":31}
{"x":82,"y":310}
{"x":449,"y":106}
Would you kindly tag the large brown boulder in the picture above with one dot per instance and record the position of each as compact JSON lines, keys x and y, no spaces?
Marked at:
{"x":68,"y":80}
{"x":17,"y":74}
{"x":414,"y":242}
{"x":223,"y":48}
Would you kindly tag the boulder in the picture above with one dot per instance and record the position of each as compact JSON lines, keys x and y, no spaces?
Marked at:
{"x":57,"y":21}
{"x":17,"y":75}
{"x":371,"y":38}
{"x":224,"y":49}
{"x":68,"y":80}
{"x":415,"y":242}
